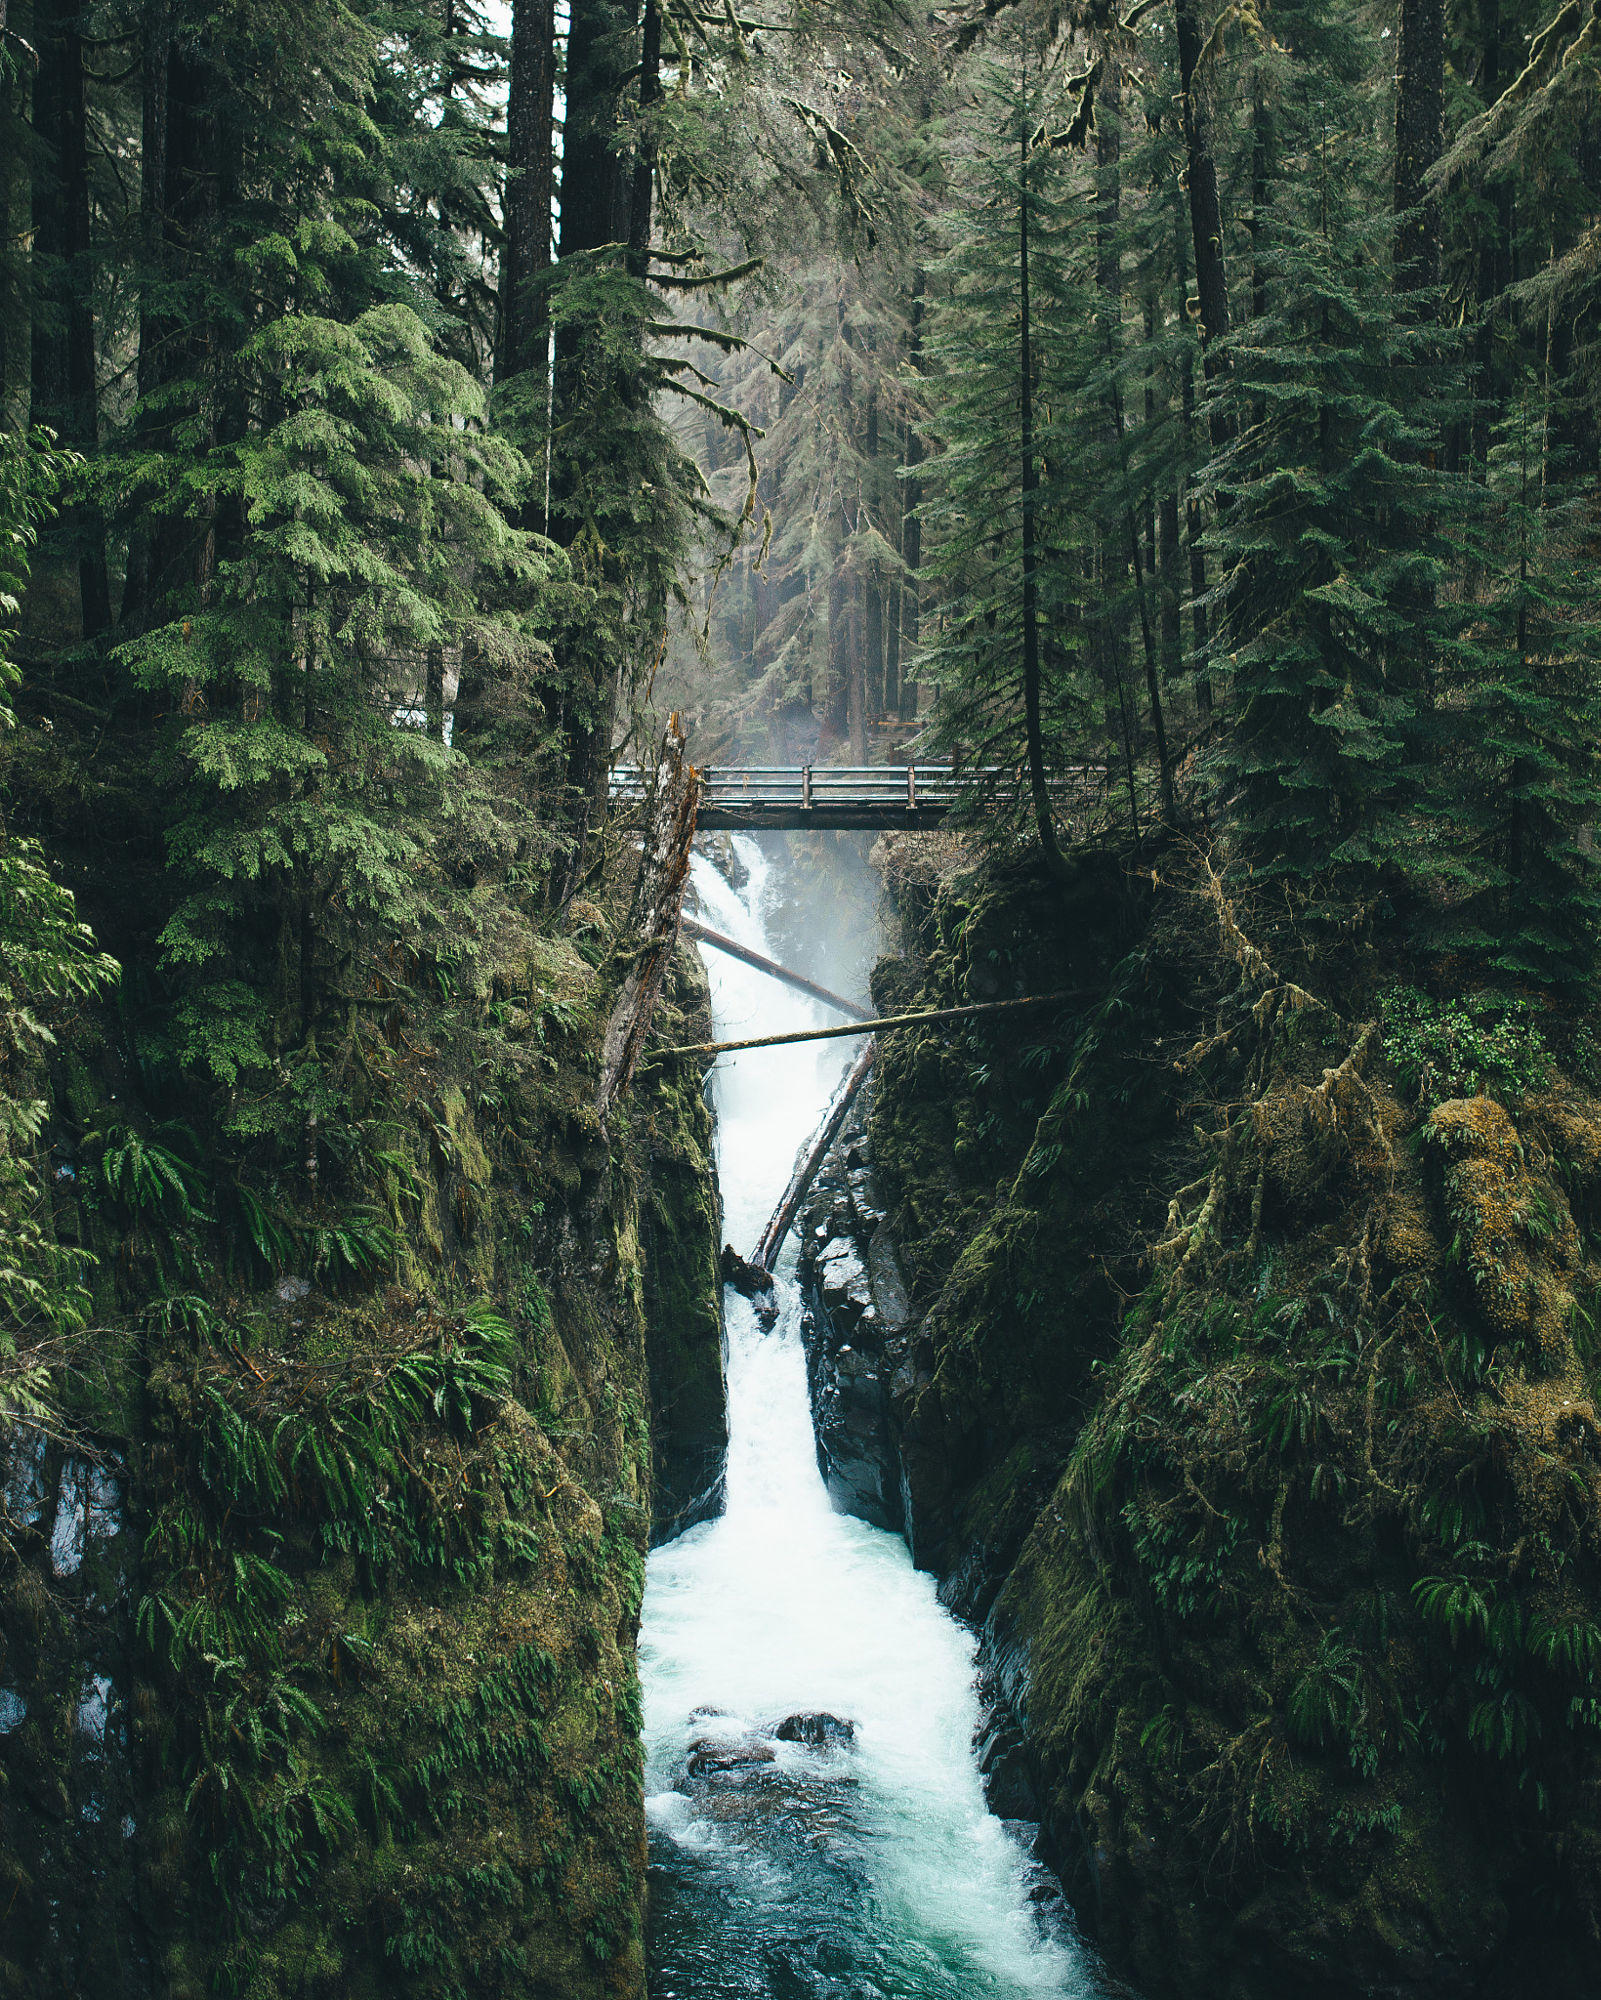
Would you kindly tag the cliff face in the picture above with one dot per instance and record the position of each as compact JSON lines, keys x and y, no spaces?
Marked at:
{"x":318,"y":1600}
{"x":681,"y":1236}
{"x":858,"y":1329}
{"x":1244,"y":1398}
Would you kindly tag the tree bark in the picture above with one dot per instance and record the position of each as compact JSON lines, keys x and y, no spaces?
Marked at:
{"x":597,"y":189}
{"x":65,"y":384}
{"x":882,"y":1024}
{"x":810,"y":1158}
{"x":596,"y":185}
{"x":1419,"y":128}
{"x":1263,"y":138}
{"x":856,"y":685}
{"x":658,"y":904}
{"x":1199,"y":633}
{"x":1033,"y":726}
{"x":16,"y":228}
{"x":1170,"y":588}
{"x":180,"y":195}
{"x":523,"y":328}
{"x":642,"y":191}
{"x":703,"y":935}
{"x":911,"y":517}
{"x":836,"y":696}
{"x":1206,"y":208}
{"x":1109,"y":282}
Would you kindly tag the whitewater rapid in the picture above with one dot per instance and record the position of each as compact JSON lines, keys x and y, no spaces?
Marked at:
{"x":872,"y":1873}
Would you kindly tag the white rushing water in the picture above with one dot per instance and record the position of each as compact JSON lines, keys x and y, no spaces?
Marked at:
{"x":858,"y":1873}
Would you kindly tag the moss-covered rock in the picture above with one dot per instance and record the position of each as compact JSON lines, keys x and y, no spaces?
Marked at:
{"x":1254,"y":1413}
{"x":317,"y":1632}
{"x":681,"y":1233}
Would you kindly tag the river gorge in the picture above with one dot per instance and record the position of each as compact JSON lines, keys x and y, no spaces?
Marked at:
{"x":861,"y":1862}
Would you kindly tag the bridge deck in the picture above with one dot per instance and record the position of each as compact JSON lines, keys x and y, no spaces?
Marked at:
{"x":911,"y":798}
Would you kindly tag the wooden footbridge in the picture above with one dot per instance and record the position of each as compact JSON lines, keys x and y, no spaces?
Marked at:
{"x":676,"y":800}
{"x":867,"y":798}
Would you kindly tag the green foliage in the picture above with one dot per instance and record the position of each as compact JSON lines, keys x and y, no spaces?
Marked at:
{"x":1186,"y":1564}
{"x":146,"y":1177}
{"x":364,"y":501}
{"x":48,"y":962}
{"x":1526,"y":670}
{"x":1333,"y":1705}
{"x":973,"y":514}
{"x":386,"y":1457}
{"x":1326,"y":538}
{"x":1484,"y":1042}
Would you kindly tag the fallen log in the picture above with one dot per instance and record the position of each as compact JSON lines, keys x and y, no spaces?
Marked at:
{"x":658,"y":902}
{"x":751,"y":1282}
{"x":809,"y":1159}
{"x":881,"y":1025}
{"x":734,"y":949}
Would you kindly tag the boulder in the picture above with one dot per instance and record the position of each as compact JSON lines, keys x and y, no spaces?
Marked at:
{"x":711,"y":1756}
{"x":817,"y":1729}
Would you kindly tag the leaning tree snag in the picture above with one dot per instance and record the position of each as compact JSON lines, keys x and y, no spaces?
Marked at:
{"x":658,"y":901}
{"x":809,"y":1159}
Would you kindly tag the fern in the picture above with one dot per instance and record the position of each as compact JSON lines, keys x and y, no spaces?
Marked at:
{"x":147,"y":1178}
{"x":1460,"y":1605}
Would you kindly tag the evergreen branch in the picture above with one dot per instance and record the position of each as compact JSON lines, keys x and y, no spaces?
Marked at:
{"x":668,"y":282}
{"x":1238,"y":14}
{"x":1082,"y":124}
{"x":730,"y":343}
{"x":846,"y":156}
{"x":972,"y":31}
{"x":1569,"y":39}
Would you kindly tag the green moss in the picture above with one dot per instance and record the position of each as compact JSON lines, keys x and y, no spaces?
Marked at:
{"x":379,"y":1676}
{"x":1258,"y":1401}
{"x":680,"y":1221}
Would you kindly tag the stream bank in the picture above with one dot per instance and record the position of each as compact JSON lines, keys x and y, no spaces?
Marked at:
{"x":1228,"y":1366}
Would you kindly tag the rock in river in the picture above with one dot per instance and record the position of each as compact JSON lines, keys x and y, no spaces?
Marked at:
{"x":816,"y":1728}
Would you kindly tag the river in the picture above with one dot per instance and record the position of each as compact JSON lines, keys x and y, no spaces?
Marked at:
{"x":863,"y":1870}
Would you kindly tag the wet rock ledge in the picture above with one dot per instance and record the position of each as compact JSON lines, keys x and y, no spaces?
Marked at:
{"x":866,"y":1361}
{"x":859,"y":1330}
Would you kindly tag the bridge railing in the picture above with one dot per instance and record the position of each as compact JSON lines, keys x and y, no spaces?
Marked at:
{"x":805,"y":786}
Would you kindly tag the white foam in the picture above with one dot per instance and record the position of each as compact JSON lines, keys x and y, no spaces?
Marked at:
{"x":782,"y":1605}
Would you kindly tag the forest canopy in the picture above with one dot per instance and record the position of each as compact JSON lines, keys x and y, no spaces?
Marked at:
{"x":412,"y":402}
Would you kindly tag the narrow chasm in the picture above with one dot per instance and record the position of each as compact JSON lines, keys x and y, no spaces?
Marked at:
{"x":818,"y":1824}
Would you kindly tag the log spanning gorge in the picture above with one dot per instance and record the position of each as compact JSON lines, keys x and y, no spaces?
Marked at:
{"x":818,"y":1824}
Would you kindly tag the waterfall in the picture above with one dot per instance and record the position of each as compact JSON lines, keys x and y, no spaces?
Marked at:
{"x":849,"y":1870}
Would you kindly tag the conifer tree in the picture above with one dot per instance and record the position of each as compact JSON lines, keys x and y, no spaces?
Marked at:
{"x":342,"y":509}
{"x":1524,"y":677}
{"x":46,"y":957}
{"x":1003,"y":523}
{"x":304,"y":815}
{"x":1330,"y":544}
